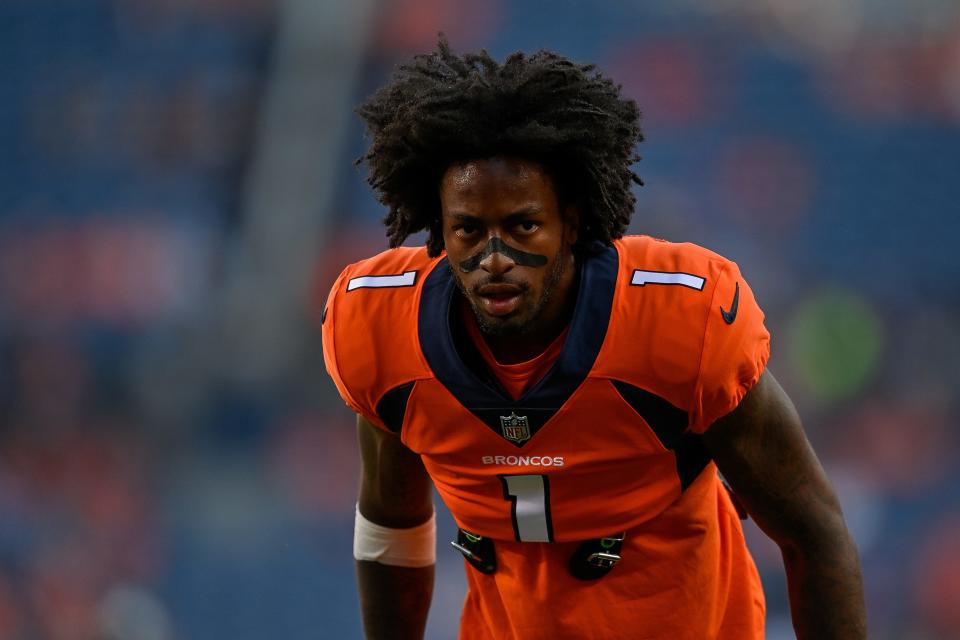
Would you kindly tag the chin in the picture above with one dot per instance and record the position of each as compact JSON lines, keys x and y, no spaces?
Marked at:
{"x":501,"y":326}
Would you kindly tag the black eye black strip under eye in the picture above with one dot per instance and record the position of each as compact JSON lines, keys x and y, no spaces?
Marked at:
{"x":496,"y":245}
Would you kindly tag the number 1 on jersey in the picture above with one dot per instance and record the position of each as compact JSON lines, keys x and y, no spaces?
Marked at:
{"x":530,"y":510}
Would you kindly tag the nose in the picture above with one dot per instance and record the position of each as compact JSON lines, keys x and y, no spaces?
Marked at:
{"x":497,"y":263}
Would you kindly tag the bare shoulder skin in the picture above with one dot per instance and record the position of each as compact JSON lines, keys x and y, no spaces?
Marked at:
{"x":763,"y":453}
{"x":395,"y":491}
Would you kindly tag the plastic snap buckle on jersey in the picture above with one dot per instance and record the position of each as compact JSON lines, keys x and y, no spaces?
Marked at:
{"x":477,"y":550}
{"x":610,"y":555}
{"x":595,"y":558}
{"x":603,"y":559}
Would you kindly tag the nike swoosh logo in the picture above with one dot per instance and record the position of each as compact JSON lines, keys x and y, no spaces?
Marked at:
{"x":730,"y":316}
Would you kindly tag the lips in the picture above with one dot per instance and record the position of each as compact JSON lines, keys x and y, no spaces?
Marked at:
{"x":499,"y":299}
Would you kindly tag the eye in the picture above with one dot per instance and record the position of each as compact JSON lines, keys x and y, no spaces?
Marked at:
{"x":464,"y":231}
{"x":527,"y":227}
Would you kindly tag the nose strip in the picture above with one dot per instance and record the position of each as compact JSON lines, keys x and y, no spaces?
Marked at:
{"x":496,"y":245}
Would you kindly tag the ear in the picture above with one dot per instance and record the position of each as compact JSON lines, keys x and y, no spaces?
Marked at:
{"x":571,"y":224}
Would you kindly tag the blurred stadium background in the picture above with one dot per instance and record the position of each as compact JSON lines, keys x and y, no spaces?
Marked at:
{"x":177,"y":193}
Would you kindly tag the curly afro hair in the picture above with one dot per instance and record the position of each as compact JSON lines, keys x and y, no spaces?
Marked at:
{"x":441,"y":108}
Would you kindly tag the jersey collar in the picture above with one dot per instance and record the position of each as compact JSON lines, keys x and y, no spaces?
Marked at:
{"x":484,"y":398}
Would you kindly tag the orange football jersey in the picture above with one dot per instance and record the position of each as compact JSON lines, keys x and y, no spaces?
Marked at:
{"x":665,"y":338}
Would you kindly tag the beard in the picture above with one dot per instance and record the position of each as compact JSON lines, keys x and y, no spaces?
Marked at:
{"x":525,"y":321}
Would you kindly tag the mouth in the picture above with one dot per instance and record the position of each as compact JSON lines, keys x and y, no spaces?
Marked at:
{"x":499,"y":299}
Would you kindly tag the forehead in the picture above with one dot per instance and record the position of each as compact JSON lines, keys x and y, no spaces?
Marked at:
{"x":508,"y":183}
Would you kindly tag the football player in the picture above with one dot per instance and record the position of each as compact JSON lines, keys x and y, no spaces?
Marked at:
{"x":571,"y":392}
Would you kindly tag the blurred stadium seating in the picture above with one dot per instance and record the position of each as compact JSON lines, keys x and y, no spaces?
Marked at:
{"x":177,"y":192}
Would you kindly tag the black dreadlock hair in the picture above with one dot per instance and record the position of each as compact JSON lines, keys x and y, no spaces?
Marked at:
{"x":442,"y":108}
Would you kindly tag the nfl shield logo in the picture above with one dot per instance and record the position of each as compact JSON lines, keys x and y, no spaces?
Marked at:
{"x":515,"y":427}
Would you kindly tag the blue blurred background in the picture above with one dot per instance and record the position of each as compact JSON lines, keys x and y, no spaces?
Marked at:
{"x":177,"y":193}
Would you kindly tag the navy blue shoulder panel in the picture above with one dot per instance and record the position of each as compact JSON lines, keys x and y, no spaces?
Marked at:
{"x":669,"y":423}
{"x":692,"y":458}
{"x":484,"y":398}
{"x":393,"y":406}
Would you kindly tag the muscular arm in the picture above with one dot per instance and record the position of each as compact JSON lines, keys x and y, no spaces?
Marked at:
{"x":395,"y":491}
{"x":763,"y":453}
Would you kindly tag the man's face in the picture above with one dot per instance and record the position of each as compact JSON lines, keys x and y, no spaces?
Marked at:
{"x":508,"y":242}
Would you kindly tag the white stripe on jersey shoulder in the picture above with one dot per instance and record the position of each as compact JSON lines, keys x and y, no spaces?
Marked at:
{"x":405,"y":279}
{"x":641,"y":277}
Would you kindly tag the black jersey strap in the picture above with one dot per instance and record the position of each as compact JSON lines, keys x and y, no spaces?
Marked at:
{"x":593,"y":559}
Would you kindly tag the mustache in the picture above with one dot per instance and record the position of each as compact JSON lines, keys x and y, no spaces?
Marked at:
{"x":496,"y":245}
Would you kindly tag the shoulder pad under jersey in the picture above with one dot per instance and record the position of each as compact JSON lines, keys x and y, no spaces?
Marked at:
{"x":686,"y":326}
{"x":370,"y":343}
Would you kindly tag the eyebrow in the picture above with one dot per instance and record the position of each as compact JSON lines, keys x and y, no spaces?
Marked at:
{"x":519,"y":214}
